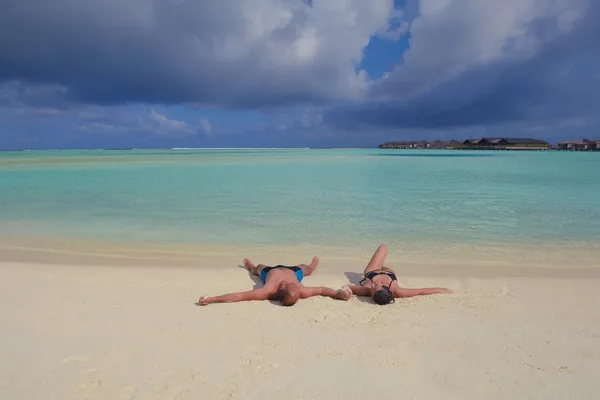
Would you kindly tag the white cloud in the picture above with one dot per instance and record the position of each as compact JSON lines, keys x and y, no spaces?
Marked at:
{"x":451,"y":37}
{"x":132,"y":120}
{"x":311,"y":117}
{"x":162,"y":125}
{"x":206,"y":127}
{"x":24,"y":101}
{"x":48,"y":111}
{"x":100,"y":126}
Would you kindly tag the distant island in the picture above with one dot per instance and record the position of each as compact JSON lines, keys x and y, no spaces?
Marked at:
{"x":523,"y":144}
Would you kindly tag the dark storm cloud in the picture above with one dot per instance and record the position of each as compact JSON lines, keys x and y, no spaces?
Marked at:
{"x":226,"y":52}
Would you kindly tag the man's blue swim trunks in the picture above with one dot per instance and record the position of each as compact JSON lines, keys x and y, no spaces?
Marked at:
{"x":265,"y":271}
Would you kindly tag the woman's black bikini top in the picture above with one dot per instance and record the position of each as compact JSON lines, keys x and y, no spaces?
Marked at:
{"x":373,"y":274}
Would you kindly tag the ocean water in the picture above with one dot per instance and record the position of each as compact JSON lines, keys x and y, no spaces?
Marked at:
{"x":351,"y":199}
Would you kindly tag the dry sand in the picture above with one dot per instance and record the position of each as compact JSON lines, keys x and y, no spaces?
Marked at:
{"x":116,"y":332}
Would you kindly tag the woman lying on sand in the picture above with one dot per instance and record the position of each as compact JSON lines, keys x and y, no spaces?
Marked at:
{"x":381,"y":282}
{"x":281,"y":283}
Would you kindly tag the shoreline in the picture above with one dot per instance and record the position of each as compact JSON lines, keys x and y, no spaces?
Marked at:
{"x":538,"y":263}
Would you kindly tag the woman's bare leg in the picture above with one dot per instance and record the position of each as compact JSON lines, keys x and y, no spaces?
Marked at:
{"x":309,"y":269}
{"x":377,"y":260}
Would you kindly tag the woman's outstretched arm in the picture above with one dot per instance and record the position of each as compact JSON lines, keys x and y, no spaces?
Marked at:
{"x":403,"y":292}
{"x":360,"y":290}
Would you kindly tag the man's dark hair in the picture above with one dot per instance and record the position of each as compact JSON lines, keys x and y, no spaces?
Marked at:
{"x":289,"y":297}
{"x":383,"y":296}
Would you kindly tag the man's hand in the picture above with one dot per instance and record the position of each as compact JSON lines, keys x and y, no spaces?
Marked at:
{"x":204,"y":301}
{"x":345,"y":293}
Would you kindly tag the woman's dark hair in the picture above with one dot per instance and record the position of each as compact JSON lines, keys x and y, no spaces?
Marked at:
{"x":383,"y":296}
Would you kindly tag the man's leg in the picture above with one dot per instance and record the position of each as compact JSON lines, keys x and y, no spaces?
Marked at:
{"x":309,"y":269}
{"x":377,"y":260}
{"x":255,"y":269}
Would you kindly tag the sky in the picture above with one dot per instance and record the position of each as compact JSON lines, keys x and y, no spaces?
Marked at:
{"x":295,"y":73}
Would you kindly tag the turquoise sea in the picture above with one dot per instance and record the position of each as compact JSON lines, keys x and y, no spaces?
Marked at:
{"x":351,"y":199}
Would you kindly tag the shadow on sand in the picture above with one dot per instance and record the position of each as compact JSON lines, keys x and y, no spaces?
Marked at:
{"x":354,"y":278}
{"x":255,"y":279}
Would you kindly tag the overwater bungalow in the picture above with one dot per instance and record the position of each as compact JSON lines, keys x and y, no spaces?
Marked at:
{"x":501,"y":143}
{"x":397,"y":145}
{"x":473,"y":144}
{"x":580,"y":144}
{"x":437,"y":144}
{"x":421,"y":144}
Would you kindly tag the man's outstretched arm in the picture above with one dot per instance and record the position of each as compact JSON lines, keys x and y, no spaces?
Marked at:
{"x":402,"y":292}
{"x":341,"y":294}
{"x":257,"y":294}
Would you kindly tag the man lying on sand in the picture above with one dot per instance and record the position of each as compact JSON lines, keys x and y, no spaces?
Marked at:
{"x":281,"y":283}
{"x":381,"y":282}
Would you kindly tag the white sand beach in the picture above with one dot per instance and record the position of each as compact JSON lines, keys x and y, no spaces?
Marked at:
{"x":135,"y":332}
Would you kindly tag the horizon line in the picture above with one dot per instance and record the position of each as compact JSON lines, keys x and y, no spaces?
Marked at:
{"x":189,"y":148}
